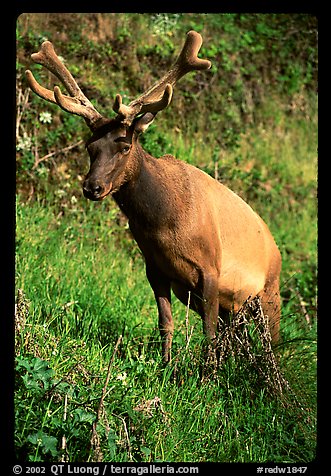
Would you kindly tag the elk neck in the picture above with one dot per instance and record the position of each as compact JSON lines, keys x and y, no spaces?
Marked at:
{"x":142,"y":197}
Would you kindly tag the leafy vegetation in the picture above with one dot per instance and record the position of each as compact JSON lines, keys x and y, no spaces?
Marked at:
{"x":90,"y":384}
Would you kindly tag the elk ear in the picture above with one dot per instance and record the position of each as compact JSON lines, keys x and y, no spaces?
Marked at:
{"x":142,"y":123}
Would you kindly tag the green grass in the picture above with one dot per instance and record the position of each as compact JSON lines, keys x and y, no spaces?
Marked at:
{"x":83,"y":285}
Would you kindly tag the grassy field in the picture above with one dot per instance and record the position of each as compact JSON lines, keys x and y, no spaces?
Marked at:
{"x":90,"y":384}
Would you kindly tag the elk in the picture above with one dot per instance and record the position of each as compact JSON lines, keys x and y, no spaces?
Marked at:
{"x":196,"y":235}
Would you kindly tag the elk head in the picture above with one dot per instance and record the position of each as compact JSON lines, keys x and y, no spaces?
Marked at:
{"x":112,"y":146}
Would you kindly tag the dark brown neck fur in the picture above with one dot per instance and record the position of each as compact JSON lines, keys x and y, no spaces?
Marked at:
{"x":146,"y":199}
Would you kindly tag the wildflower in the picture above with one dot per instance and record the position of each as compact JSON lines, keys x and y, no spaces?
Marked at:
{"x":24,"y":143}
{"x":122,"y":377}
{"x":45,"y":117}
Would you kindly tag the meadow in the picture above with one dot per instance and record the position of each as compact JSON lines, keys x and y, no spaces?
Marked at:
{"x":90,"y":384}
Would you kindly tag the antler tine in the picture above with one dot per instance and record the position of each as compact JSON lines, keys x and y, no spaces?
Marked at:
{"x":159,"y":95}
{"x":78,"y":102}
{"x":38,"y":89}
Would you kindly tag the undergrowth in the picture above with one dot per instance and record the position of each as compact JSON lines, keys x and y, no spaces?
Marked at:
{"x":120,"y":404}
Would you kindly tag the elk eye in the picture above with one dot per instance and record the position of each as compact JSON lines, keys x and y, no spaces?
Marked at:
{"x":123,"y":146}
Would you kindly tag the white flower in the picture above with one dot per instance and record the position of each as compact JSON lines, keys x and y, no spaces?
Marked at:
{"x":24,"y":143}
{"x":60,"y":193}
{"x":45,"y":117}
{"x":122,"y":377}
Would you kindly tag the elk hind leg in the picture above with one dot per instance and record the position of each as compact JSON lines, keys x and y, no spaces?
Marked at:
{"x":207,"y":305}
{"x":271,"y":306}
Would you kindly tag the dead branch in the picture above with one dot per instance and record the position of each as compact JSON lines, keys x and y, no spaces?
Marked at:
{"x":95,"y":440}
{"x":22,"y":101}
{"x":51,"y":154}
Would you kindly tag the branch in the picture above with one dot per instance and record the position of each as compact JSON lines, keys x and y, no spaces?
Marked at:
{"x":107,"y":378}
{"x":95,"y":440}
{"x":51,"y":154}
{"x":22,"y":101}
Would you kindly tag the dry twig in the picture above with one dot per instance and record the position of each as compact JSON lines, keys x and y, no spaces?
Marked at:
{"x":64,"y":457}
{"x":95,"y":440}
{"x":247,"y":337}
{"x":126,"y":435}
{"x":22,"y":101}
{"x":51,"y":154}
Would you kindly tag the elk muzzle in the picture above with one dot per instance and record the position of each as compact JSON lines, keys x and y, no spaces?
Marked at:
{"x":96,"y":189}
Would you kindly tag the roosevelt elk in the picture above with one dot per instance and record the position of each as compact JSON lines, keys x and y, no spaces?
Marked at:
{"x":196,"y":235}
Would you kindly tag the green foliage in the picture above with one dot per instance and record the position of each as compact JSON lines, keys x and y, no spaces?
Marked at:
{"x":252,"y":57}
{"x":39,"y":397}
{"x":251,"y":121}
{"x":38,"y":376}
{"x":44,"y":444}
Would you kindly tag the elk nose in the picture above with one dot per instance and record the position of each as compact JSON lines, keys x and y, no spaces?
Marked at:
{"x":96,"y":189}
{"x":92,"y":190}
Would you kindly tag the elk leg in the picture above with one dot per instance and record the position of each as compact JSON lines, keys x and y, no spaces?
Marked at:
{"x":208,"y":305}
{"x":208,"y":309}
{"x":161,"y":287}
{"x":270,"y":302}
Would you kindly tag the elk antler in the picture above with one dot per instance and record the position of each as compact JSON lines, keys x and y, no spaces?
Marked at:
{"x":159,"y":95}
{"x":77,"y":102}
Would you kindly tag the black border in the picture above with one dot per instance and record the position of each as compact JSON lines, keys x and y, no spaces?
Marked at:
{"x":7,"y":201}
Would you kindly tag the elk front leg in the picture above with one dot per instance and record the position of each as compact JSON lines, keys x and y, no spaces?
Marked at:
{"x":161,"y":287}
